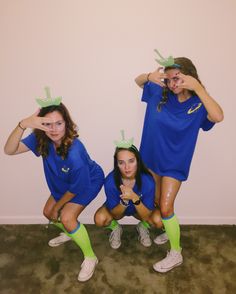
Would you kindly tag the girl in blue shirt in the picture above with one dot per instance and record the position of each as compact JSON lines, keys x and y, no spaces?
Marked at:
{"x":130,"y":191}
{"x":178,"y":106}
{"x":74,"y":180}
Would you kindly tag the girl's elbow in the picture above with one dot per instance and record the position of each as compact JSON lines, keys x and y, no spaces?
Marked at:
{"x":8,"y":152}
{"x":219,"y":117}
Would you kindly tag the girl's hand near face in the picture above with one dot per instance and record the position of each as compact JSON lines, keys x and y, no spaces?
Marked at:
{"x":189,"y":83}
{"x":127,"y":193}
{"x":158,"y":77}
{"x":36,"y":122}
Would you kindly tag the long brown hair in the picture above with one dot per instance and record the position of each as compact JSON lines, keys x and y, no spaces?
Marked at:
{"x":186,"y":67}
{"x":70,"y":132}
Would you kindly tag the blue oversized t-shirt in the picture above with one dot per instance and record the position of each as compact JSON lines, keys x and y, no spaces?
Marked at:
{"x":169,"y":136}
{"x":75,"y":173}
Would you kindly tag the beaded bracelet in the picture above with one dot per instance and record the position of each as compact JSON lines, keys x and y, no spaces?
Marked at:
{"x":20,"y":126}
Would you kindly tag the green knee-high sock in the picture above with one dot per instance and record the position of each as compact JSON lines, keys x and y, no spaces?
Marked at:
{"x":172,"y":228}
{"x":81,"y":238}
{"x":145,"y":224}
{"x":113,"y":225}
{"x":60,"y":226}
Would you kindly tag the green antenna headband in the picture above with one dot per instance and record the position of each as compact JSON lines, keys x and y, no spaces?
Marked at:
{"x":48,"y":101}
{"x":124,"y":143}
{"x":166,"y":62}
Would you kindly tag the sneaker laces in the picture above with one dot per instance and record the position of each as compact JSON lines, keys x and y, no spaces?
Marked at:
{"x":143,"y":233}
{"x":88,"y":264}
{"x":170,"y":257}
{"x":115,"y":235}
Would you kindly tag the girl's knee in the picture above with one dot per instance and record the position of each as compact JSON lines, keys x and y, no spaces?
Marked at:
{"x":155,"y":220}
{"x":166,"y":210}
{"x":100,"y":219}
{"x":46,"y":213}
{"x":67,"y":219}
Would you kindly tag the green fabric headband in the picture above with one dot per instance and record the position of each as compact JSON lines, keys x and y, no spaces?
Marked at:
{"x":48,"y":101}
{"x":166,"y":62}
{"x":124,"y":143}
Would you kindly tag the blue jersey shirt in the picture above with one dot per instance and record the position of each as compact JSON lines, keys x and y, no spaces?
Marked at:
{"x":169,"y":136}
{"x":146,"y":195}
{"x":75,"y":173}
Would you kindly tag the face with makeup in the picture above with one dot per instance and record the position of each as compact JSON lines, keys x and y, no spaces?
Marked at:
{"x":173,"y":81}
{"x":127,"y":164}
{"x":57,"y":128}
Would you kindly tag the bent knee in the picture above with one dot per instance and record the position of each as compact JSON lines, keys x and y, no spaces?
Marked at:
{"x":102,"y":220}
{"x":47,"y":213}
{"x":66,"y":219}
{"x":167,"y":213}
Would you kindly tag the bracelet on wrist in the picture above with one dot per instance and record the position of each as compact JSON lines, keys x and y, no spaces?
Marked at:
{"x":20,"y":126}
{"x":124,"y":202}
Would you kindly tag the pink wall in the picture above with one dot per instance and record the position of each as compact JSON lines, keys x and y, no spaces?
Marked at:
{"x":90,"y":52}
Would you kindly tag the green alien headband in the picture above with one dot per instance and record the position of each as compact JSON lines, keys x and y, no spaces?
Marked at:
{"x":48,"y":101}
{"x":166,"y":62}
{"x":124,"y":143}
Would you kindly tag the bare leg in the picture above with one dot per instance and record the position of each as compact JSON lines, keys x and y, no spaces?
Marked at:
{"x":103,"y":218}
{"x":169,"y":190}
{"x":157,"y":180}
{"x":48,"y":207}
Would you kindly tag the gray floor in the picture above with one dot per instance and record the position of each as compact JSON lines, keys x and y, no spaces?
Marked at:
{"x":29,"y":265}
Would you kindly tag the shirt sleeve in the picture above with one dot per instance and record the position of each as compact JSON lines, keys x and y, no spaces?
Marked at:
{"x":31,"y":142}
{"x":207,"y":124}
{"x":149,"y":90}
{"x":112,"y":196}
{"x":79,"y":180}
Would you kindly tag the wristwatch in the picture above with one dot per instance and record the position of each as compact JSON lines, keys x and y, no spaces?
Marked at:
{"x":137,"y":202}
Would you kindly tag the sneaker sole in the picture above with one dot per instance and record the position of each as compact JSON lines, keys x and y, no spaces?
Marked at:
{"x":115,"y":247}
{"x":145,"y":245}
{"x":90,"y":276}
{"x":164,"y":270}
{"x":160,"y":242}
{"x":57,"y":244}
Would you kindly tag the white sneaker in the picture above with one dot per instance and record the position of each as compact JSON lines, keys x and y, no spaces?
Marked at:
{"x":115,"y":237}
{"x":62,"y":238}
{"x":174,"y":258}
{"x":144,"y":237}
{"x":161,"y":239}
{"x":87,"y":268}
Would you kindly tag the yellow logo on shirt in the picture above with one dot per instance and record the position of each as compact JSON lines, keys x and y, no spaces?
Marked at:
{"x":194,"y":108}
{"x":65,"y":169}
